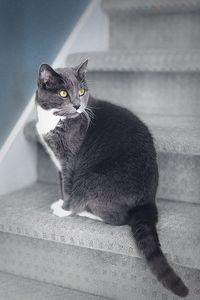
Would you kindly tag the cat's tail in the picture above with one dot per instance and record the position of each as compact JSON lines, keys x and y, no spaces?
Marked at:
{"x":143,"y":221}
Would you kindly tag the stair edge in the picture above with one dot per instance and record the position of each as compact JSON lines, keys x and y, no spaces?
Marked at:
{"x":150,"y":7}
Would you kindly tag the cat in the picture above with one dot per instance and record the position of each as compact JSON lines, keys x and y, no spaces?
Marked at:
{"x":106,"y":159}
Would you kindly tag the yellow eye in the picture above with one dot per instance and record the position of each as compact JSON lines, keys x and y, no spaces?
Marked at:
{"x":63,"y":93}
{"x":81,"y":92}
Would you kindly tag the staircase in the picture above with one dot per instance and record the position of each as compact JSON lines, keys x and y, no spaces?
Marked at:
{"x":152,"y":67}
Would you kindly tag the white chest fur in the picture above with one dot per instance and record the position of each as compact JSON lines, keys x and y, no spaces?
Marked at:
{"x":47,"y":121}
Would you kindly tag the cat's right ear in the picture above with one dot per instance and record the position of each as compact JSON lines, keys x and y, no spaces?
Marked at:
{"x":47,"y":76}
{"x":81,"y":69}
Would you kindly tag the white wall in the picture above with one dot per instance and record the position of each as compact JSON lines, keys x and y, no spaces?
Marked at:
{"x":18,"y":157}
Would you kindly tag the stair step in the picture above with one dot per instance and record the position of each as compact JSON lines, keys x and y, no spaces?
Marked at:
{"x":14,"y":287}
{"x":150,"y":6}
{"x":91,"y":256}
{"x":154,"y":82}
{"x":88,"y":270}
{"x":153,"y":24}
{"x":27,"y":212}
{"x":153,"y":60}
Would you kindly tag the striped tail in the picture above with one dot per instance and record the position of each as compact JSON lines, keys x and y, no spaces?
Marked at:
{"x":143,"y":221}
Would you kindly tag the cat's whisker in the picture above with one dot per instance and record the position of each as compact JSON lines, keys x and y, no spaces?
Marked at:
{"x":87,"y":117}
{"x":91,"y":117}
{"x":90,"y":112}
{"x":89,"y":108}
{"x":92,"y":107}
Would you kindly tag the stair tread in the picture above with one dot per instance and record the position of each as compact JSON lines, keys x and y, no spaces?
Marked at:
{"x":152,"y":60}
{"x":14,"y":287}
{"x":175,"y":134}
{"x":27,"y":212}
{"x":150,"y":6}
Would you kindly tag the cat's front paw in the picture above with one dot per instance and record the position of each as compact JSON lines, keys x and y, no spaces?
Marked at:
{"x":57,"y":204}
{"x":61,"y":212}
{"x":58,"y":210}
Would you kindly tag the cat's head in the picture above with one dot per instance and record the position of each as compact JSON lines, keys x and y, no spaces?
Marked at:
{"x":64,"y":90}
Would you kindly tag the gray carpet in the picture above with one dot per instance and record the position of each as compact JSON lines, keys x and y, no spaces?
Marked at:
{"x":150,"y":6}
{"x":27,"y":212}
{"x":18,"y":288}
{"x":152,"y":60}
{"x":107,"y":274}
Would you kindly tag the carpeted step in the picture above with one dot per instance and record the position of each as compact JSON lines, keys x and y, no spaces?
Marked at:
{"x":91,"y":256}
{"x":150,"y":6}
{"x":156,"y":82}
{"x":136,"y":24}
{"x":19,"y":288}
{"x":153,"y":60}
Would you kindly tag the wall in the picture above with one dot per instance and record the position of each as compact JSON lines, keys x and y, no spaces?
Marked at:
{"x":31,"y":32}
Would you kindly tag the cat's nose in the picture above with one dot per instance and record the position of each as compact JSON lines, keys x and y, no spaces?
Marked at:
{"x":76,"y":106}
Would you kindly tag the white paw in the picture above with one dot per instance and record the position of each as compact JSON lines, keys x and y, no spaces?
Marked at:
{"x":57,"y":204}
{"x":89,"y":215}
{"x":61,"y":212}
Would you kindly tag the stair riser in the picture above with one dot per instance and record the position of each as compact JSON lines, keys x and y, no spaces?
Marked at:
{"x":172,"y":31}
{"x":179,"y":175}
{"x":97,"y":272}
{"x":149,"y":92}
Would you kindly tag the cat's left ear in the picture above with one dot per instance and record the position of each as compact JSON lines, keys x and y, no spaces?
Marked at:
{"x":47,"y":76}
{"x":82,"y":68}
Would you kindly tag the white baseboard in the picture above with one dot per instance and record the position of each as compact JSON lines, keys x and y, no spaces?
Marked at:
{"x":18,"y":157}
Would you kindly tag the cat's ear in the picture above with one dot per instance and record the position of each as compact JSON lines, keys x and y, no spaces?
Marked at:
{"x":82,"y":68}
{"x":47,"y":76}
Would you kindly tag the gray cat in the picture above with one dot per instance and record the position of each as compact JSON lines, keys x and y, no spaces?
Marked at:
{"x":107,"y":162}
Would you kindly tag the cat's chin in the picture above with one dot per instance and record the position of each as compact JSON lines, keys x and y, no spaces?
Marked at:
{"x":73,"y":115}
{"x":68,"y":116}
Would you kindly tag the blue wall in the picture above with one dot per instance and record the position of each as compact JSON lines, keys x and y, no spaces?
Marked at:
{"x":31,"y":32}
